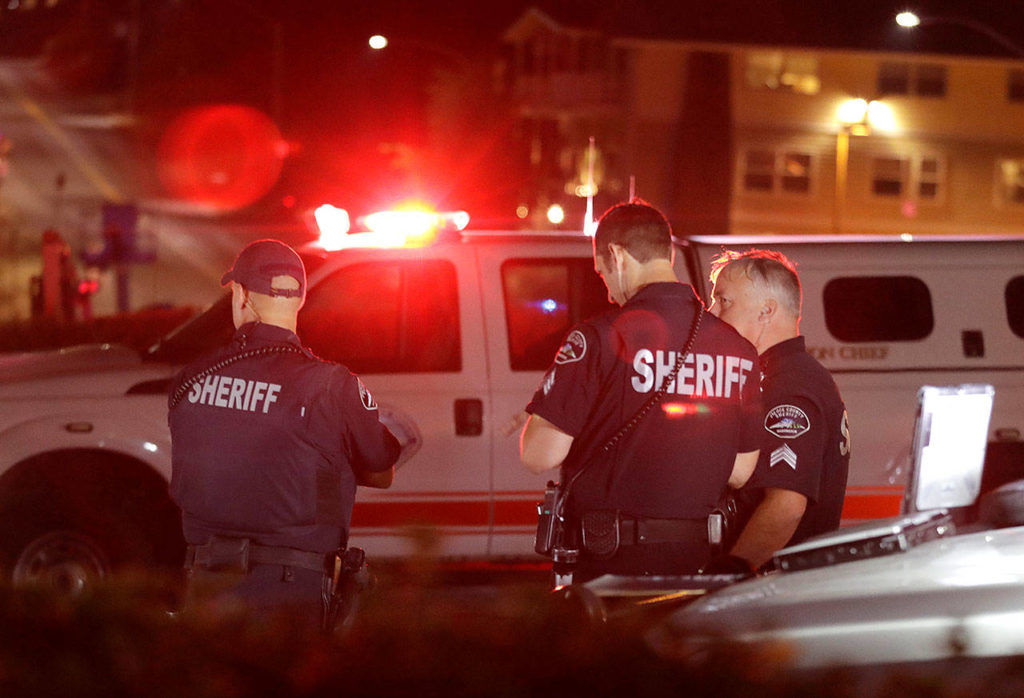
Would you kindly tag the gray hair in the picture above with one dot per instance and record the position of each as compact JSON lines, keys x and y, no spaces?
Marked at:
{"x":771,"y":273}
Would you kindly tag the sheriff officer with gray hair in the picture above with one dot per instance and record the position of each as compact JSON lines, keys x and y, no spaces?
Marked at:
{"x":798,"y":486}
{"x":268,"y":443}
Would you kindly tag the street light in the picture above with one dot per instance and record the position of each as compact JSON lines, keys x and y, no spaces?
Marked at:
{"x":856,"y":117}
{"x":911,"y":20}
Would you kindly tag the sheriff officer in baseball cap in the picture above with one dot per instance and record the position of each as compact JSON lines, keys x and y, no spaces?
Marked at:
{"x":268,"y":445}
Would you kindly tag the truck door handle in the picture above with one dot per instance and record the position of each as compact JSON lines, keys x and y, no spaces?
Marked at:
{"x":974,"y":343}
{"x":469,"y":417}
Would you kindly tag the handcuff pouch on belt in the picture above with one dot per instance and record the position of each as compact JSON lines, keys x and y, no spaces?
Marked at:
{"x":601,"y":533}
{"x":223,"y":554}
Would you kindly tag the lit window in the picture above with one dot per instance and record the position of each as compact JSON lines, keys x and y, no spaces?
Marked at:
{"x":769,"y":171}
{"x":1010,"y":178}
{"x":796,"y":172}
{"x":776,"y":70}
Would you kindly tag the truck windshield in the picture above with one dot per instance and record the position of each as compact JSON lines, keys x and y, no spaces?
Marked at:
{"x":202,"y":333}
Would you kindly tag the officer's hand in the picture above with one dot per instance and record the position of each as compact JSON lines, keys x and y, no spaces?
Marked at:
{"x":729,"y":564}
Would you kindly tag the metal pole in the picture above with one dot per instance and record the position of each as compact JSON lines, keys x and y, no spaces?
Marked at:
{"x":842,"y":161}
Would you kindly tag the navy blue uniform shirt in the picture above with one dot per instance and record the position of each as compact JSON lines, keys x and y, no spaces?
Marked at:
{"x":805,"y":443}
{"x":677,"y":460}
{"x":266,"y":447}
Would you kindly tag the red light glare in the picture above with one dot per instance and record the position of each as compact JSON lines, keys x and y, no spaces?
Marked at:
{"x":410,"y":223}
{"x":334,"y":224}
{"x":222,"y":156}
{"x":677,"y":410}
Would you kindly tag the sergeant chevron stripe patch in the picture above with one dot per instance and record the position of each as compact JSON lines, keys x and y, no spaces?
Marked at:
{"x":783,"y":454}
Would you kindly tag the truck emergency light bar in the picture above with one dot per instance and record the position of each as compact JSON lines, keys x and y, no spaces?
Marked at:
{"x":398,"y":228}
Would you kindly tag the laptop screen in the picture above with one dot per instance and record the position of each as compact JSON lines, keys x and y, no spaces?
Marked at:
{"x":948,"y":453}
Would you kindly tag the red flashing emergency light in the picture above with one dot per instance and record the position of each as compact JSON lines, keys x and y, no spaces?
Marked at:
{"x":333,"y":224}
{"x":411,"y":227}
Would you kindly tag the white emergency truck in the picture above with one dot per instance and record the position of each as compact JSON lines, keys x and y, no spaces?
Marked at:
{"x":452,"y":336}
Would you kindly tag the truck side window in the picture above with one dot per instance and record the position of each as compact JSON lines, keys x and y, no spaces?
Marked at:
{"x":878,"y":309}
{"x":543,"y":299}
{"x":386,"y":317}
{"x":1015,"y":305}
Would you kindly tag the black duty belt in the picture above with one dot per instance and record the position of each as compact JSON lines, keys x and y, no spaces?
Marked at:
{"x":636,"y":531}
{"x":240,"y":554}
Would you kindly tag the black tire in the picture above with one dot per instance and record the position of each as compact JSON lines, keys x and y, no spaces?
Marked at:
{"x":58,"y":546}
{"x":63,"y":560}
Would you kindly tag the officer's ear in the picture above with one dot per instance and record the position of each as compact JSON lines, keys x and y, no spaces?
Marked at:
{"x":618,"y":255}
{"x":240,"y":297}
{"x":769,"y":308}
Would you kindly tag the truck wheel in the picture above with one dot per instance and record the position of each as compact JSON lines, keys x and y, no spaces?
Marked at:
{"x":69,"y":551}
{"x":65,"y":561}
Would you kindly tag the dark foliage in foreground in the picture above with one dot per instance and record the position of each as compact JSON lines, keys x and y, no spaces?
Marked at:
{"x":411,"y":638}
{"x":138,"y":330}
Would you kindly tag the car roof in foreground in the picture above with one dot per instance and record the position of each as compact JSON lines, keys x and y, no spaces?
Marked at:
{"x":909,"y":606}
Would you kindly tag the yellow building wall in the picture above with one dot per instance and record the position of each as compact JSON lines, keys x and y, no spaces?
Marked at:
{"x":969,"y":130}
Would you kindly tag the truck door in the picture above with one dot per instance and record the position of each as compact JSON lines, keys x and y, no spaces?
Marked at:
{"x":544,"y":289}
{"x":408,"y":322}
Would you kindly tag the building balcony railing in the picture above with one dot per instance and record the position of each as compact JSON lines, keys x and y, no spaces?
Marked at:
{"x":569,"y":89}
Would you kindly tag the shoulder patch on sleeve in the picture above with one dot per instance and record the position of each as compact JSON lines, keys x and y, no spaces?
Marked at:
{"x":787,"y":421}
{"x":573,"y":349}
{"x":365,"y":396}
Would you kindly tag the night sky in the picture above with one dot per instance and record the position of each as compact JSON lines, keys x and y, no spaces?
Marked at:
{"x":353,"y":118}
{"x":346,"y":91}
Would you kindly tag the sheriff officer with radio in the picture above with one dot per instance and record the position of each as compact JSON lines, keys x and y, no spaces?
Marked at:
{"x":651,"y":410}
{"x":268,"y":443}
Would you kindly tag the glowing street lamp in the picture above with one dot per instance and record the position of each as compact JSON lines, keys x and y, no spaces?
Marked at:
{"x":556,"y":214}
{"x":379,"y":42}
{"x":856,"y":117}
{"x":908,"y":19}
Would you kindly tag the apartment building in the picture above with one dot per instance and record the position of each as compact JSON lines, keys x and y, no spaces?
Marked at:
{"x":746,"y":138}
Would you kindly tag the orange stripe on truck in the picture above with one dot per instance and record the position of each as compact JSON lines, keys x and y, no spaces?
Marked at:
{"x":871,"y":506}
{"x":446,"y":512}
{"x":423,"y":513}
{"x":860,"y":504}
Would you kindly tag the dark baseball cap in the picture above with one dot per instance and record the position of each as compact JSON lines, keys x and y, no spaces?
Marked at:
{"x":259,"y":262}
